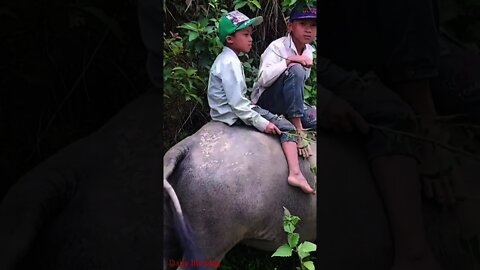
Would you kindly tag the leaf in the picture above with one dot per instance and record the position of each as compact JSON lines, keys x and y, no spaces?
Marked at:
{"x":203,"y":21}
{"x":189,"y":26}
{"x":256,"y":3}
{"x":306,"y":95}
{"x":210,"y":29}
{"x":240,"y":5}
{"x":293,"y":239}
{"x":309,"y":265}
{"x":191,"y":71}
{"x":283,"y":251}
{"x":166,"y":73}
{"x":301,"y":253}
{"x":308,"y":246}
{"x":288,"y":227}
{"x":294,"y":220}
{"x":197,"y":99}
{"x":192,"y":36}
{"x":286,"y":212}
{"x":179,"y":68}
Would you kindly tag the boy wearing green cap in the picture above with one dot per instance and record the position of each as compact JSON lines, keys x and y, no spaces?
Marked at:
{"x":284,"y":67}
{"x":227,"y":88}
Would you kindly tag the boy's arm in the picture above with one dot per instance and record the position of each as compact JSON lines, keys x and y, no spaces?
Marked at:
{"x":272,"y":65}
{"x":233,"y":83}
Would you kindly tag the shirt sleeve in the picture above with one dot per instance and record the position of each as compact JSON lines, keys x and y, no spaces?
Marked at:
{"x":234,"y":83}
{"x":272,"y":65}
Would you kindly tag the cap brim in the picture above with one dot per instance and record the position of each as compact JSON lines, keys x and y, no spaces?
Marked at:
{"x":252,"y":22}
{"x":305,"y":18}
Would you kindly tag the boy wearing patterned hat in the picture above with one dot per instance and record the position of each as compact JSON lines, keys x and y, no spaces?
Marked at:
{"x":227,"y":88}
{"x":284,"y":68}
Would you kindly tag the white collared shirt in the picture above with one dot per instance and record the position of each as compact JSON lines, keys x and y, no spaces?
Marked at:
{"x":226,"y":92}
{"x":273,"y":63}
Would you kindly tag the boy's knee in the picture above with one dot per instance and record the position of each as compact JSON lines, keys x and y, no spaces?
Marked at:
{"x":285,"y":125}
{"x":297,"y":71}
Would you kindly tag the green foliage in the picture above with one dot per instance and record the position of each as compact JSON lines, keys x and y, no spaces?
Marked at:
{"x":254,"y":5}
{"x":177,"y":78}
{"x":193,"y":47}
{"x":189,"y":51}
{"x":310,"y":93}
{"x":249,"y":67}
{"x":289,"y":4}
{"x":303,"y":250}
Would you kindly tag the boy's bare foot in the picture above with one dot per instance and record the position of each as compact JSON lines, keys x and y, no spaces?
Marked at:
{"x":298,"y":180}
{"x":422,"y":263}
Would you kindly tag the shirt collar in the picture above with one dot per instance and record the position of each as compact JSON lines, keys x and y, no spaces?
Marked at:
{"x":288,"y":42}
{"x":226,"y":49}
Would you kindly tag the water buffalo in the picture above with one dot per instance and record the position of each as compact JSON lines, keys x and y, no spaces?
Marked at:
{"x":232,"y":184}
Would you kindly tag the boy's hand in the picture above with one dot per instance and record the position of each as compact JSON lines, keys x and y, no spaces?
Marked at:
{"x":272,"y":129}
{"x":308,"y":63}
{"x":300,"y":59}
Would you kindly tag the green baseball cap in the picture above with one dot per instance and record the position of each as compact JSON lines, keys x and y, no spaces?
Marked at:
{"x":234,"y":21}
